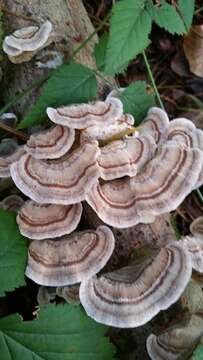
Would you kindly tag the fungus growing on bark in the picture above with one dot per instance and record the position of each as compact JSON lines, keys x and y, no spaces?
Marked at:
{"x":52,"y":143}
{"x":12,"y":203}
{"x":159,"y":188}
{"x":69,"y":293}
{"x":155,"y":124}
{"x":61,"y":181}
{"x":194,"y":245}
{"x":177,"y":342}
{"x":133,"y":295}
{"x":81,"y":116}
{"x":125,"y":157}
{"x":10,"y":152}
{"x":70,"y":259}
{"x":42,"y":221}
{"x":196,"y":227}
{"x":24,"y":43}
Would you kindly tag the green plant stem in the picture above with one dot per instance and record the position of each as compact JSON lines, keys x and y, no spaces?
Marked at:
{"x":199,"y":10}
{"x":199,"y":195}
{"x":152,"y":79}
{"x":21,"y":95}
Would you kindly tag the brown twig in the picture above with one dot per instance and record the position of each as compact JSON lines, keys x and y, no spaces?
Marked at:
{"x":21,"y":135}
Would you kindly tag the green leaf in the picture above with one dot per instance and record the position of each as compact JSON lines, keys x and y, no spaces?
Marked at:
{"x":186,"y":9}
{"x":100,"y":51}
{"x":13,"y":253}
{"x":71,"y":83}
{"x":136,"y":100}
{"x":167,"y":17}
{"x":130,"y":27}
{"x":198,"y":353}
{"x":62,"y":332}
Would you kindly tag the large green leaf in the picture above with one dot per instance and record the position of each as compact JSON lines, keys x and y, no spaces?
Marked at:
{"x":186,"y":9}
{"x":73,"y":83}
{"x":62,"y":332}
{"x":167,"y":17}
{"x":136,"y":100}
{"x":130,"y":27}
{"x":13,"y":253}
{"x":100,"y":51}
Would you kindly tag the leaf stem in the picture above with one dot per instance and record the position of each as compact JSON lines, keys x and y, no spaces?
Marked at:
{"x":199,"y":195}
{"x":152,"y":80}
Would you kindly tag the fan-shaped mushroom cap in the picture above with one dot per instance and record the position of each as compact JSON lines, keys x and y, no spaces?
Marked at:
{"x":12,"y":203}
{"x":81,"y":116}
{"x":23,"y":44}
{"x":125,"y":157}
{"x":98,"y":132}
{"x":133,"y":295}
{"x":71,"y":258}
{"x":195,"y":247}
{"x":184,"y":132}
{"x":162,"y":185}
{"x":29,"y":38}
{"x":10,"y":152}
{"x":41,"y":221}
{"x":69,"y":293}
{"x":61,"y":181}
{"x":155,"y":124}
{"x":196,"y":227}
{"x":176,"y":342}
{"x":52,"y":143}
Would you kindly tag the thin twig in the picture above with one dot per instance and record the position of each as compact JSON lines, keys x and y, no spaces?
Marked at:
{"x":21,"y":135}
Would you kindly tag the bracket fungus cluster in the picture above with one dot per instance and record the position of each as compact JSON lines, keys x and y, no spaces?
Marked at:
{"x":24,"y":43}
{"x":126,"y":179}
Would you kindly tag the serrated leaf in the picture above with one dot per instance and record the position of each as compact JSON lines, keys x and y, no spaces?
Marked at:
{"x":62,"y":332}
{"x":186,"y":8}
{"x":167,"y":17}
{"x":100,"y":51}
{"x":13,"y":253}
{"x":136,"y":100}
{"x":130,"y":27}
{"x":71,"y":83}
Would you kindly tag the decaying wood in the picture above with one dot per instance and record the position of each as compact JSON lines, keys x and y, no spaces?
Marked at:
{"x":71,"y":25}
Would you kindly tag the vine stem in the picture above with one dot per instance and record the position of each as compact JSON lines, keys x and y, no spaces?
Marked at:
{"x":160,"y":101}
{"x":147,"y":64}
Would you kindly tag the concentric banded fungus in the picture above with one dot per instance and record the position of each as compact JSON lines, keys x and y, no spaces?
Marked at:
{"x":52,"y":143}
{"x":81,"y":116}
{"x":155,"y":124}
{"x":184,"y":132}
{"x":162,"y":185}
{"x":132,"y":296}
{"x":125,"y":157}
{"x":69,"y":293}
{"x":10,"y":152}
{"x":38,"y":221}
{"x":195,"y":248}
{"x":196,"y":227}
{"x":98,"y":132}
{"x":177,"y":342}
{"x":12,"y":203}
{"x":71,"y":258}
{"x":23,"y":44}
{"x":61,"y":181}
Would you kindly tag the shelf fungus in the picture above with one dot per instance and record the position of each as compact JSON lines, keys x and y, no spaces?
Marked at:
{"x":42,"y":221}
{"x":125,"y":157}
{"x":10,"y":152}
{"x":24,"y":43}
{"x":159,"y":188}
{"x":177,"y":342}
{"x":155,"y":124}
{"x":133,"y":295}
{"x":60,"y":181}
{"x":194,"y":245}
{"x":81,"y":116}
{"x":196,"y":227}
{"x":12,"y":203}
{"x":70,"y":259}
{"x":52,"y":143}
{"x":104,"y":133}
